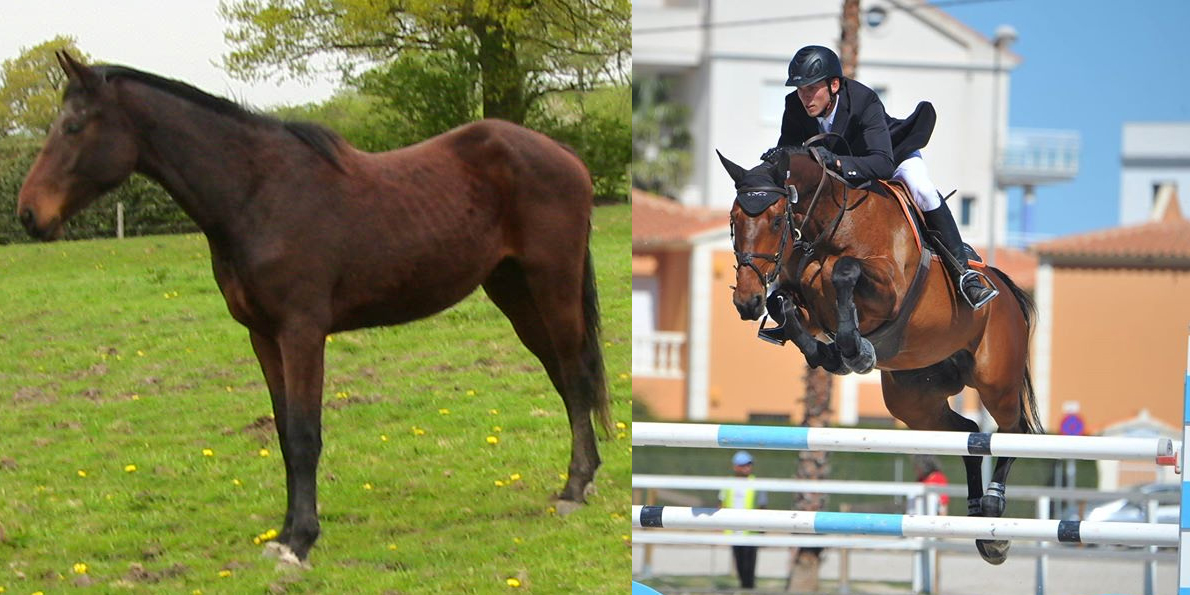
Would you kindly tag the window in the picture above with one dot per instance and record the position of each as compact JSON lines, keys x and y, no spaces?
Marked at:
{"x":772,"y":102}
{"x":966,"y":210}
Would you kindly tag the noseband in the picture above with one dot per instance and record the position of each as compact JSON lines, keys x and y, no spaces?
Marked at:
{"x":787,"y":229}
{"x":747,"y":259}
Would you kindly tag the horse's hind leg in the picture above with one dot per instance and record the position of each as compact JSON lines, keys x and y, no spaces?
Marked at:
{"x":858,"y":353}
{"x":555,"y":316}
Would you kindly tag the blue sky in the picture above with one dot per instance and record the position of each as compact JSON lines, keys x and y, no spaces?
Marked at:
{"x":1090,"y":67}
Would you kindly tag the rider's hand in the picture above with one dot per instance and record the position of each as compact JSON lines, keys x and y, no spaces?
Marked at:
{"x":771,"y":155}
{"x":830,"y":160}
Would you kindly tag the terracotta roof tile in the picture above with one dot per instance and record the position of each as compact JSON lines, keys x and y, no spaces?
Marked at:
{"x":661,"y":221}
{"x":1164,"y":240}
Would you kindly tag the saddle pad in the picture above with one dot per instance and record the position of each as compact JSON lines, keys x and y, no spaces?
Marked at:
{"x":917,"y":221}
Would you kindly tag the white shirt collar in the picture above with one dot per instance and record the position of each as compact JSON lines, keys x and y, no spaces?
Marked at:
{"x":829,"y":120}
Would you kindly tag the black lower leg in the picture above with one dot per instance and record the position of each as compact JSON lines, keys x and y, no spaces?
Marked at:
{"x":845,"y":277}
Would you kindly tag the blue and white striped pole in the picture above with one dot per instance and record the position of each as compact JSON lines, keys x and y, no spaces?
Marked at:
{"x":1184,"y":540}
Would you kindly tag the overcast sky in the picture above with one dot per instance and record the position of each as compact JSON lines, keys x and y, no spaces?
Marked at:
{"x":180,"y":39}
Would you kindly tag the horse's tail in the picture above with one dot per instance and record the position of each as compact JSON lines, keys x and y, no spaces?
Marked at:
{"x":592,"y":350}
{"x":1030,"y":419}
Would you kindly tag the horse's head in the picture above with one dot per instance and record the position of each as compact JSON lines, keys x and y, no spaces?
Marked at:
{"x":91,"y":149}
{"x":761,"y":228}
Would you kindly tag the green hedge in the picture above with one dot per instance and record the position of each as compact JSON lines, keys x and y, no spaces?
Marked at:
{"x":148,"y":209}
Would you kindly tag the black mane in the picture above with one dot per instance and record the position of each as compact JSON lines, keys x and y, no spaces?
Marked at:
{"x":323,"y":140}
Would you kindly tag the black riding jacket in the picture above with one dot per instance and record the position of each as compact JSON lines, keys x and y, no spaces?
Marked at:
{"x":878,"y":142}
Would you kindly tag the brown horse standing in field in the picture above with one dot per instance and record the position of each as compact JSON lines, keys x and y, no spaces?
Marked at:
{"x":829,"y":259}
{"x":309,"y":236}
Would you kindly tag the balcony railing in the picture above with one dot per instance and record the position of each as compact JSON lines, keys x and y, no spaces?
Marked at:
{"x":1036,"y":157}
{"x":658,"y":354}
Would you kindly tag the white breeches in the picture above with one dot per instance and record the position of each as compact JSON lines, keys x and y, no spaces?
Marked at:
{"x":912,"y":171}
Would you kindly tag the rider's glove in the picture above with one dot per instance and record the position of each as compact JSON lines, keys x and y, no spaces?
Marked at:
{"x":830,"y":160}
{"x":771,"y":155}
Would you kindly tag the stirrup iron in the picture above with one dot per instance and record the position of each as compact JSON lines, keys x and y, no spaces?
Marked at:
{"x":983,"y":280}
{"x":774,"y":335}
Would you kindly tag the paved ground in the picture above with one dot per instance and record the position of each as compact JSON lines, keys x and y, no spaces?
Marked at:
{"x":891,"y":572}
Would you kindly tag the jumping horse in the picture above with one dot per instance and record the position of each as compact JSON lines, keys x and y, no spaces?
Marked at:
{"x":828,"y":260}
{"x":309,"y":236}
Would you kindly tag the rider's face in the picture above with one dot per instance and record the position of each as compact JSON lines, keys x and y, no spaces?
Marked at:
{"x":816,"y":98}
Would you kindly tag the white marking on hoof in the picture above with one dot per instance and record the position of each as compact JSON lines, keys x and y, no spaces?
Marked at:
{"x":272,"y":549}
{"x":565,"y":507}
{"x":289,"y":560}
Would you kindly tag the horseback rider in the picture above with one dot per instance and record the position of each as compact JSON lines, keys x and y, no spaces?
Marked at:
{"x":881,"y":148}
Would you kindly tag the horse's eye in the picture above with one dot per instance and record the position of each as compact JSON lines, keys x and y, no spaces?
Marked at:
{"x":73,"y":127}
{"x":776,"y":224}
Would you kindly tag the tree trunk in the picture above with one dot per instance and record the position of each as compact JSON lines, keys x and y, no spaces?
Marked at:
{"x":503,"y":82}
{"x":803,"y":577}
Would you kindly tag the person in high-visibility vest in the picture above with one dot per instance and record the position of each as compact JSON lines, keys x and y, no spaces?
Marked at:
{"x":745,"y":555}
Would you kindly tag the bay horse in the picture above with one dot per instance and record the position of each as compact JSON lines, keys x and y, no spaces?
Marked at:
{"x":829,"y":260}
{"x":309,"y":236}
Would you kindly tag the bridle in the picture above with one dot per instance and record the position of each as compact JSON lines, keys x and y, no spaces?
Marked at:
{"x":790,"y":195}
{"x":747,"y":259}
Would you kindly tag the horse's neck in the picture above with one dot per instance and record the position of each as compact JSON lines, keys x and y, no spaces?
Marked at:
{"x":195,"y":154}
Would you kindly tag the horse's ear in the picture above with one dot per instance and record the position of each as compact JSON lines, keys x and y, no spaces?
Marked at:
{"x":77,"y":71}
{"x":736,"y":172}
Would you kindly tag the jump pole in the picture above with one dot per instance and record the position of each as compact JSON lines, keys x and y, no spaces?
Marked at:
{"x":1184,"y":512}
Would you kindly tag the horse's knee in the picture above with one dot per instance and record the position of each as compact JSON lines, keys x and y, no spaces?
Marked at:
{"x":846,"y":272}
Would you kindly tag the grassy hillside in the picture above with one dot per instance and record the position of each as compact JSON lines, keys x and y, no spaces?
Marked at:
{"x":137,"y":452}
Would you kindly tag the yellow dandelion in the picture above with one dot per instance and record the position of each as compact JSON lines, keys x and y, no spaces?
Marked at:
{"x":493,"y":440}
{"x":384,"y":438}
{"x":607,"y":344}
{"x":470,"y":393}
{"x":80,"y":568}
{"x":444,"y":411}
{"x":624,"y":376}
{"x":227,"y":388}
{"x":625,"y":537}
{"x":341,"y":395}
{"x":515,"y":477}
{"x":39,"y":593}
{"x":140,"y":353}
{"x":499,"y":483}
{"x":271,"y":534}
{"x":392,"y":547}
{"x":256,"y":540}
{"x":518,"y":540}
{"x":493,"y":412}
{"x":224,"y":573}
{"x":236,"y":482}
{"x":175,"y":294}
{"x":330,"y":339}
{"x":563,"y":476}
{"x":196,"y":592}
{"x":367,"y":486}
{"x":165,"y":295}
{"x":135,"y":397}
{"x":82,"y":473}
{"x":264,"y":452}
{"x":513,"y":582}
{"x":206,"y":452}
{"x":129,"y":468}
{"x":551,"y":510}
{"x":621,"y":425}
{"x":621,"y":435}
{"x":497,"y":429}
{"x":418,"y":431}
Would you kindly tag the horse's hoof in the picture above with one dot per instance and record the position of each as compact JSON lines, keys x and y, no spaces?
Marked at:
{"x":273,"y":549}
{"x":286,"y":559}
{"x":565,"y":507}
{"x":865,"y":360}
{"x":993,"y":552}
{"x":993,"y":502}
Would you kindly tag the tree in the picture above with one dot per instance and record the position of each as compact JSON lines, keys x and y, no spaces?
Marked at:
{"x":31,"y":87}
{"x":818,"y":382}
{"x":522,"y":49}
{"x":660,"y":137}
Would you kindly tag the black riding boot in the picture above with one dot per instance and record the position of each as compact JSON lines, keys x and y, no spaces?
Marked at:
{"x":968,"y":282}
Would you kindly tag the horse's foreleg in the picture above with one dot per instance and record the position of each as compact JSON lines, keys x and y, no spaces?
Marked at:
{"x":818,"y":353}
{"x":268,"y":353}
{"x":857,"y":352}
{"x":302,"y":364}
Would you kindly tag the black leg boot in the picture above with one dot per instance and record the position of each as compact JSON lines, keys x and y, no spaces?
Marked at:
{"x":968,"y":283}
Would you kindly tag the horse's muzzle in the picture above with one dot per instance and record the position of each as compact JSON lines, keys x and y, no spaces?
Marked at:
{"x":750,"y":308}
{"x":46,"y":233}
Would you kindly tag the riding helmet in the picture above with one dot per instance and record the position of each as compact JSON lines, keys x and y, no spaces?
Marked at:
{"x":811,"y":64}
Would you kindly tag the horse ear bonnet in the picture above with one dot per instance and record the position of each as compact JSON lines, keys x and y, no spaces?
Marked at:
{"x":755,"y":202}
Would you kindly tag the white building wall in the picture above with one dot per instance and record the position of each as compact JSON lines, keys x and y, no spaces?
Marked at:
{"x":734,"y":80}
{"x":1153,"y":153}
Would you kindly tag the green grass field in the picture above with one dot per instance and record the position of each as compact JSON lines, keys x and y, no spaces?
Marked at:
{"x":121,"y":353}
